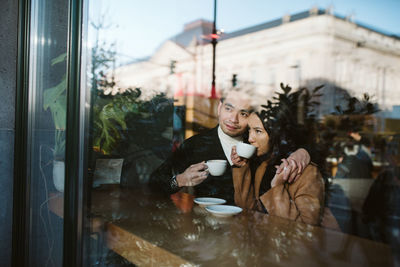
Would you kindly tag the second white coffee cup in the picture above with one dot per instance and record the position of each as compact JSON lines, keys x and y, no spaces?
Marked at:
{"x":216,"y":167}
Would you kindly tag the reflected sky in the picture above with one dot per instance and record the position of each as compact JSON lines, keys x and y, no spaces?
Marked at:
{"x":139,"y":27}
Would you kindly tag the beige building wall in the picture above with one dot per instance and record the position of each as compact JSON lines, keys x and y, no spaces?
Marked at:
{"x":319,"y":47}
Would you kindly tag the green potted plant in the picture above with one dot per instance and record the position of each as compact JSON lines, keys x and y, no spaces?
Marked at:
{"x":55,"y":100}
{"x":109,"y":117}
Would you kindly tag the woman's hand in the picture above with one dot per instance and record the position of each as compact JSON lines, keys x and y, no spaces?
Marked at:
{"x":236,"y":159}
{"x":294,"y":165}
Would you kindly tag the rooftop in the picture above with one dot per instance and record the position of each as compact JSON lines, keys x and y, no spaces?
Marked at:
{"x":200,"y":28}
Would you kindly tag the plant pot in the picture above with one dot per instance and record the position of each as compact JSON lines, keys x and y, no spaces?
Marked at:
{"x":107,"y":171}
{"x":59,"y":175}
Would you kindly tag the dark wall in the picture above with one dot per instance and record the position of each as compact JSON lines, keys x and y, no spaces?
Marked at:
{"x":8,"y":60}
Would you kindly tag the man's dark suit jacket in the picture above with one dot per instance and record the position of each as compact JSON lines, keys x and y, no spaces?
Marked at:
{"x":198,"y":148}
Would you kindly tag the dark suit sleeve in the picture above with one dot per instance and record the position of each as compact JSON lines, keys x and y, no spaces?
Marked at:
{"x":312,"y":151}
{"x":196,"y":149}
{"x":161,"y":178}
{"x":316,"y":156}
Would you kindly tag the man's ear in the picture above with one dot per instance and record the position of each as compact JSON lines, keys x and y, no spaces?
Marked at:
{"x":219,"y":107}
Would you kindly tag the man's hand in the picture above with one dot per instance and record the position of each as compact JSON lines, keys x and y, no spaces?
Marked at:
{"x":278,"y":179}
{"x":193,"y":175}
{"x":236,"y":159}
{"x":294,"y":165}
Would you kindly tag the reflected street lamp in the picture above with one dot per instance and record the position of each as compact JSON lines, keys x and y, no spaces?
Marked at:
{"x":214,"y":37}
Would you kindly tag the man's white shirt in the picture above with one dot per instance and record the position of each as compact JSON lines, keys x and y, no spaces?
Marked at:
{"x":227,"y":143}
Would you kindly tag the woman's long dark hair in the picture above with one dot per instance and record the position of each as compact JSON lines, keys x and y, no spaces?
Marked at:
{"x":290,"y":123}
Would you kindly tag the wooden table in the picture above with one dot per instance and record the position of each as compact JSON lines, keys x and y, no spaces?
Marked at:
{"x":150,"y":230}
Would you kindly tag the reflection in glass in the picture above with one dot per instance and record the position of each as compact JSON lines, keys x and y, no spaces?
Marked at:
{"x":47,"y":87}
{"x":146,"y":105}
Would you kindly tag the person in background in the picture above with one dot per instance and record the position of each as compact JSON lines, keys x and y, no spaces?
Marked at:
{"x":364,"y":148}
{"x":381,"y":208}
{"x":357,"y":160}
{"x":186,"y":166}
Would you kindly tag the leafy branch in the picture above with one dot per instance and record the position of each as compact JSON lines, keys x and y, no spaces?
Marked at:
{"x":55,"y":100}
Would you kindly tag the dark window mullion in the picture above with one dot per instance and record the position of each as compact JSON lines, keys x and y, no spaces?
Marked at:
{"x":21,"y":185}
{"x":74,"y":188}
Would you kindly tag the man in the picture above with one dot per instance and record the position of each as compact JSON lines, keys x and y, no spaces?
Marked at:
{"x":186,"y":167}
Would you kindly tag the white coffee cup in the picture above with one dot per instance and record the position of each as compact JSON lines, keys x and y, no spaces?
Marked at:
{"x":216,"y":167}
{"x":245,"y":150}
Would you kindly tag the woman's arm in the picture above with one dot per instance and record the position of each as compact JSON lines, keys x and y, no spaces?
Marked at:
{"x":301,"y":201}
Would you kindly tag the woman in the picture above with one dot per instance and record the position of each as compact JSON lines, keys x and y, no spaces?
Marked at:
{"x":257,"y":186}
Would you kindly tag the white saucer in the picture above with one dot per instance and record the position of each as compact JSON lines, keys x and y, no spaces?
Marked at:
{"x":223,"y":210}
{"x":207,"y":201}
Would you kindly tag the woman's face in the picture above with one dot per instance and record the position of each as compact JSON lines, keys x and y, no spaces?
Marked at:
{"x":258,"y":136}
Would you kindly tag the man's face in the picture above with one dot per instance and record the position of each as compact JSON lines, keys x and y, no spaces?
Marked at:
{"x":233,"y":113}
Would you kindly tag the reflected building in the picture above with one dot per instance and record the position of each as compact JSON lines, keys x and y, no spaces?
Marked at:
{"x":305,"y":49}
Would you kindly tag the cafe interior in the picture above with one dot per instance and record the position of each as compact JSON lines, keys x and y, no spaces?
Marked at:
{"x":109,"y":93}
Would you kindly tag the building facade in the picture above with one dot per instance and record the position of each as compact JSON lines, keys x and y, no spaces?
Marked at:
{"x":306,"y":49}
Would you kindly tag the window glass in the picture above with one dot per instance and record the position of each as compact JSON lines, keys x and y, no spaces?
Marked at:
{"x":174,"y":101}
{"x":47,"y":119}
